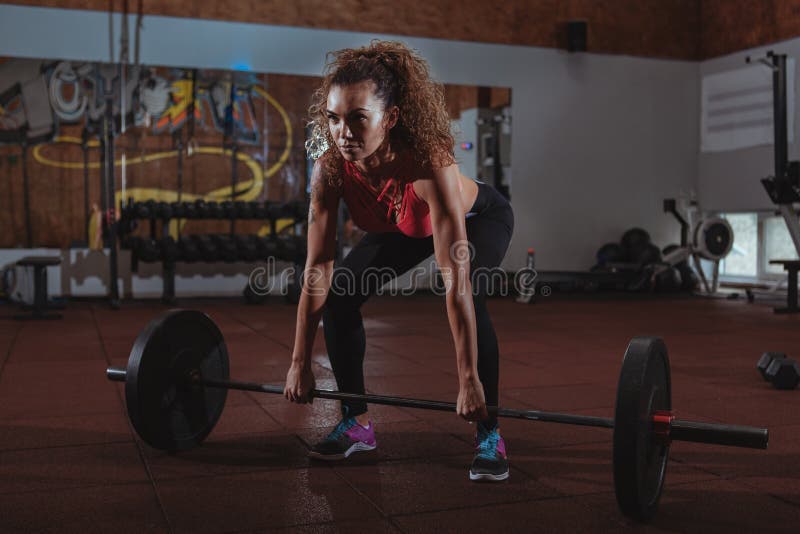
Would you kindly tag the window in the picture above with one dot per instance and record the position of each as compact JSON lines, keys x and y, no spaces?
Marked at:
{"x":757,"y":238}
{"x":743,"y":257}
{"x":778,"y":244}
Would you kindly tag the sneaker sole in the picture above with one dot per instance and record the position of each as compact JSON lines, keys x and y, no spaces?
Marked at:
{"x":477,"y":477}
{"x":355,"y":447}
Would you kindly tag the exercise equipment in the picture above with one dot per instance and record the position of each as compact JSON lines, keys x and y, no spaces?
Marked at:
{"x":209,"y":252}
{"x":146,"y":249}
{"x":40,"y":306}
{"x":247,"y":247}
{"x":201,"y":209}
{"x":291,"y":248}
{"x":189,"y":249}
{"x":145,"y":210}
{"x":783,"y":373}
{"x":646,"y":254}
{"x":177,"y":211}
{"x":214,"y":210}
{"x":711,"y":239}
{"x":170,"y":251}
{"x":244,"y":210}
{"x":258,"y":209}
{"x":164,"y":210}
{"x":791,"y":267}
{"x":668,"y":280}
{"x":228,"y":209}
{"x":633,"y":241}
{"x":689,"y":279}
{"x":190,"y":210}
{"x":177,"y":379}
{"x":610,"y":253}
{"x":268,"y":246}
{"x":765,"y":360}
{"x":784,"y":187}
{"x":226,"y":245}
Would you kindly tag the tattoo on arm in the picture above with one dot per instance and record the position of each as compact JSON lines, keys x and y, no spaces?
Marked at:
{"x":317,"y":195}
{"x":317,"y":192}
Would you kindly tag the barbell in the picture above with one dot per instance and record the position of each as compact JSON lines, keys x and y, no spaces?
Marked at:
{"x":177,"y":379}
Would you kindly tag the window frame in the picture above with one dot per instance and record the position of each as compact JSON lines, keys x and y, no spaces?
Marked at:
{"x":762,"y":275}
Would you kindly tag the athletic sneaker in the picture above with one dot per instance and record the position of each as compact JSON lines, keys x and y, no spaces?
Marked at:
{"x":490,"y":461}
{"x":348,"y":437}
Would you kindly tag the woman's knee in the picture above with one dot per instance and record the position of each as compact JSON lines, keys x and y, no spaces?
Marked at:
{"x":341,"y":309}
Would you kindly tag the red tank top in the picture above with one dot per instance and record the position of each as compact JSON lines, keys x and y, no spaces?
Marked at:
{"x":372,"y":210}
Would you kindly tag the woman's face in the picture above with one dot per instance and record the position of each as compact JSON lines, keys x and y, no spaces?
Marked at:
{"x":357,"y":119}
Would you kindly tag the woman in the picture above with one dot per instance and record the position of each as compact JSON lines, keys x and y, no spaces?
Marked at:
{"x":382,"y":134}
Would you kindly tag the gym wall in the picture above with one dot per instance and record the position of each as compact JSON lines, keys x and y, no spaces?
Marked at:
{"x":597,"y":140}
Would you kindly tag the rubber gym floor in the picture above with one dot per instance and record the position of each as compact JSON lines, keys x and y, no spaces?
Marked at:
{"x":69,"y":460}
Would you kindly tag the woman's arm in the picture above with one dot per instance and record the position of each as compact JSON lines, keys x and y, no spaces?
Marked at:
{"x":452,"y":252}
{"x":322,"y":220}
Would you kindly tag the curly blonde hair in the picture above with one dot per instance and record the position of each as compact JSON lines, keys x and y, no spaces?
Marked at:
{"x":402,"y":78}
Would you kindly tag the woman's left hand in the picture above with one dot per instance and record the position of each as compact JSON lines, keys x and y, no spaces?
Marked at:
{"x":471,"y":404}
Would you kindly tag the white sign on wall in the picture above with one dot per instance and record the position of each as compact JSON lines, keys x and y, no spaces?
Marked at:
{"x":736,"y":108}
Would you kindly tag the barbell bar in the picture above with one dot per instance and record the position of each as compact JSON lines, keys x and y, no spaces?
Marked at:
{"x":665,"y":426}
{"x":177,"y":379}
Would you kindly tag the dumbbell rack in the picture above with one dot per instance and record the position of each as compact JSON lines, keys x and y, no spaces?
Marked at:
{"x":208,"y":248}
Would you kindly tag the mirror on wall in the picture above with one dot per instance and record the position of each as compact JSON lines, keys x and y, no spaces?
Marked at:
{"x":179,"y":134}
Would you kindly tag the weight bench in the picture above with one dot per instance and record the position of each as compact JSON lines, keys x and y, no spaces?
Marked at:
{"x":40,"y":265}
{"x":791,"y":266}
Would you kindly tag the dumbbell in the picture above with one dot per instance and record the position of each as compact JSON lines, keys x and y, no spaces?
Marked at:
{"x":291,"y":248}
{"x":170,"y":252}
{"x":164,"y":210}
{"x":244,"y":210}
{"x":147,"y":249}
{"x":247,"y":246}
{"x":259,"y":210}
{"x":145,"y":210}
{"x":189,"y":210}
{"x":298,"y":209}
{"x":127,"y":222}
{"x":214,"y":210}
{"x":766,"y":359}
{"x":227,"y":248}
{"x":209,"y":251}
{"x":275,"y":210}
{"x":228,"y":209}
{"x":268,"y":246}
{"x":177,"y":209}
{"x":189,"y":251}
{"x":782,"y":372}
{"x":201,"y":209}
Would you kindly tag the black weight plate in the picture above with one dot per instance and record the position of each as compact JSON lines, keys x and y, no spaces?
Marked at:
{"x":167,"y":412}
{"x":640,"y":461}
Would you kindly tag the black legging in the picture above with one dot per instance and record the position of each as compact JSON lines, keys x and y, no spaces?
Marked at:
{"x":377,"y":257}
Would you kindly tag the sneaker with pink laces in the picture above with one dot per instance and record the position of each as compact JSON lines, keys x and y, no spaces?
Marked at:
{"x":348,"y":437}
{"x":490,"y":462}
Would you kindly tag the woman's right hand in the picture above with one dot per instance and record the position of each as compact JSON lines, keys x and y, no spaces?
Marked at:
{"x":299,"y":384}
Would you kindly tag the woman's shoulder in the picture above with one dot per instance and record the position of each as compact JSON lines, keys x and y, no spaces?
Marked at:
{"x":413,"y":168}
{"x":328,"y":173}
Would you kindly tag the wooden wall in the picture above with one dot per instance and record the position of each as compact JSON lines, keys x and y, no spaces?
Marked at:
{"x":658,"y":28}
{"x":680,"y":29}
{"x":732,"y":25}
